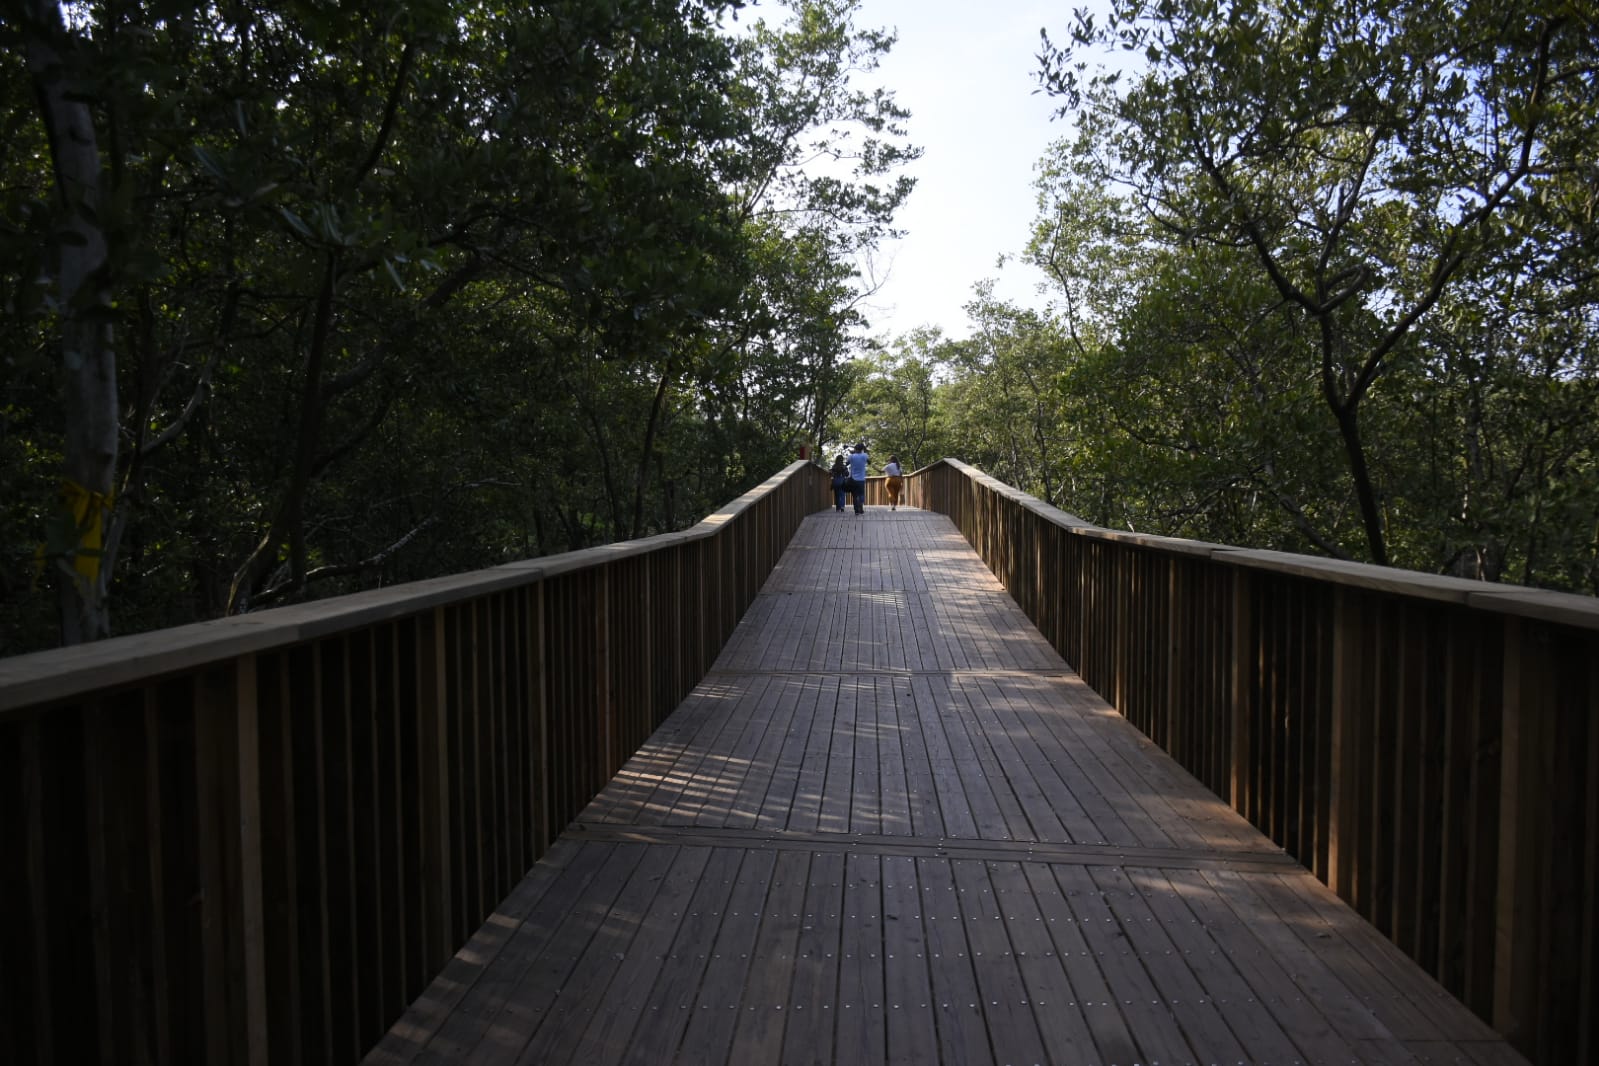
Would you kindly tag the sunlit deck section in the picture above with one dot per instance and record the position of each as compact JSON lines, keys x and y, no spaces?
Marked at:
{"x":893,"y":825}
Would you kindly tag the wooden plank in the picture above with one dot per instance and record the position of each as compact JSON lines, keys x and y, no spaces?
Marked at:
{"x":740,"y":766}
{"x":723,"y":764}
{"x":838,"y":791}
{"x":942,"y":847}
{"x":1410,"y":1004}
{"x":599,"y":961}
{"x":907,"y":1005}
{"x":720,"y":995}
{"x":921,"y":787}
{"x":813,"y":992}
{"x":517,"y":988}
{"x":215,"y":758}
{"x":811,"y":783}
{"x":766,"y":1005}
{"x":1002,"y":994}
{"x":866,"y":802}
{"x":1130,"y":989}
{"x":958,"y":1006}
{"x":1048,"y":760}
{"x":1056,"y":1009}
{"x":100,"y":843}
{"x":683,"y":792}
{"x":1523,"y":820}
{"x":370,"y":892}
{"x":654,"y":780}
{"x":1179,"y":989}
{"x":776,"y":807}
{"x":674,"y":998}
{"x":436,"y":845}
{"x":858,"y":1022}
{"x":1182,"y":810}
{"x":1348,"y":1012}
{"x":994,"y":719}
{"x":994,"y":809}
{"x":389,"y":826}
{"x":893,"y":784}
{"x":1081,"y":760}
{"x":338,"y":872}
{"x":1267,"y":982}
{"x":928,"y":701}
{"x":431,"y":1026}
{"x":764,"y":765}
{"x":620,"y":1009}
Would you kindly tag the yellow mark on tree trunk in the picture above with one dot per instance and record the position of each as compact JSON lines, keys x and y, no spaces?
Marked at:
{"x":85,"y":542}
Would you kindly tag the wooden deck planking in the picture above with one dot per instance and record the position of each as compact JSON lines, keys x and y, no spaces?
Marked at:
{"x":860,"y":1032}
{"x":814,"y":986}
{"x":619,"y":1012}
{"x":893,"y":826}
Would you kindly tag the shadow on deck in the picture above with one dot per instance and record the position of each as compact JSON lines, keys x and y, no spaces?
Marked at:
{"x":893,"y":825}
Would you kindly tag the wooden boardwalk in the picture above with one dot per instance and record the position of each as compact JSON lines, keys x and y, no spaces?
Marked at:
{"x":893,"y":826}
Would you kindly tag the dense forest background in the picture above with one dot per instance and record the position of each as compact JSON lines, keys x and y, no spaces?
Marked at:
{"x":1326,"y":280}
{"x":304,"y":297}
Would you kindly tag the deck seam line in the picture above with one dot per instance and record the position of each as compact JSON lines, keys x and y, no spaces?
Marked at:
{"x":889,"y":671}
{"x":1276,"y":862}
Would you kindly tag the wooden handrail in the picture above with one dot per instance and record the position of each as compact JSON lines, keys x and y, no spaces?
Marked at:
{"x":259,"y":839}
{"x":1427,"y":746}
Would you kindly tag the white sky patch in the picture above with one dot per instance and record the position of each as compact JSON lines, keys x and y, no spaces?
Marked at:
{"x":967,"y":72}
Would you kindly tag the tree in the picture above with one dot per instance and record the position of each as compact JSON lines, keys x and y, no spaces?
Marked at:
{"x":291,"y":198}
{"x":823,"y":188}
{"x":1367,"y":156}
{"x":82,"y":546}
{"x":893,"y":401}
{"x":400,"y":289}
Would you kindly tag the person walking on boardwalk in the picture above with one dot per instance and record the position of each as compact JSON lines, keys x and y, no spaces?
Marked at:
{"x":857,"y":476}
{"x":840,"y":475}
{"x":896,"y":482}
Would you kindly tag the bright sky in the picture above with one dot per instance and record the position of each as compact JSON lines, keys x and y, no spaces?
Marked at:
{"x":966,"y":72}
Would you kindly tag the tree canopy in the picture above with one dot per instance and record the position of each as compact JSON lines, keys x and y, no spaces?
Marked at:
{"x":1324,"y":280}
{"x":304,"y":297}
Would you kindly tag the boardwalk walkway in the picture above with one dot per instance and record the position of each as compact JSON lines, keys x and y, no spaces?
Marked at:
{"x":893,"y":826}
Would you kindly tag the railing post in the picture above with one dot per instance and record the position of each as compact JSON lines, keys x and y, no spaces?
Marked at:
{"x":433,"y":761}
{"x":1176,"y":667}
{"x":1526,"y":772}
{"x":1244,"y":673}
{"x":538,"y":686}
{"x":1345,"y":758}
{"x":604,"y":693}
{"x":257,"y":1048}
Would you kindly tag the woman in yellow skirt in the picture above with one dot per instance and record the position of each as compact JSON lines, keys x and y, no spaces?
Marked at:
{"x":896,"y":482}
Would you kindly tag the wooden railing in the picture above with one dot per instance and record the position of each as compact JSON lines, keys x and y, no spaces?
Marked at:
{"x":258,"y":839}
{"x":1428,"y":746}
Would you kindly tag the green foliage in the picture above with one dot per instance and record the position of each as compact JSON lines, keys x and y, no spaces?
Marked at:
{"x":403,"y":289}
{"x":1332,"y":230}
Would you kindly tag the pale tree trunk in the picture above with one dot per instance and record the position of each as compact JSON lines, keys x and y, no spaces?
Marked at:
{"x":83,"y":565}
